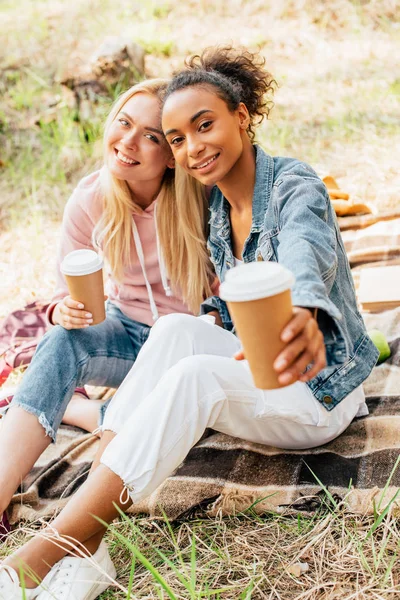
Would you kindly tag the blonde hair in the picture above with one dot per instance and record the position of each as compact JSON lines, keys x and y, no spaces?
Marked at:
{"x":182,"y":226}
{"x":114,"y":230}
{"x":235,"y":75}
{"x":182,"y":239}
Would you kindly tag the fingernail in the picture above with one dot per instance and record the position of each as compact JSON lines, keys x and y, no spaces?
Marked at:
{"x":286,"y":336}
{"x":80,"y":305}
{"x":280,"y":364}
{"x":287,"y":378}
{"x":88,"y":315}
{"x":90,"y":321}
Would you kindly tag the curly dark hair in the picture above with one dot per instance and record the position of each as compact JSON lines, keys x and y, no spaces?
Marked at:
{"x":236,"y":75}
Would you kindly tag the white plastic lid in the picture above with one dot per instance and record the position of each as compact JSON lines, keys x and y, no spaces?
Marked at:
{"x":81,"y":262}
{"x":255,"y":280}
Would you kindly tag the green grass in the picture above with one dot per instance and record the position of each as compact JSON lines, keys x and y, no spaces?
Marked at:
{"x":202,"y":559}
{"x":338,"y":108}
{"x":252,"y":555}
{"x":335,"y":62}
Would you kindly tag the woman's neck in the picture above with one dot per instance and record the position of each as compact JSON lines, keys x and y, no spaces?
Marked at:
{"x":238,"y":185}
{"x":145,"y":192}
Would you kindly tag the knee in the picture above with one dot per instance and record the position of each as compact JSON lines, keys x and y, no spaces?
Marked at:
{"x":173,"y":324}
{"x":56,"y":336}
{"x":196,"y":367}
{"x":61,"y":341}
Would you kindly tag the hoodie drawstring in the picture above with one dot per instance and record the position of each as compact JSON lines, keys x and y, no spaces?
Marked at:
{"x":163,"y":270}
{"x":139,"y":250}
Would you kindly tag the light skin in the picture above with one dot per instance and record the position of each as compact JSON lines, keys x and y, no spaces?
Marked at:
{"x":138,"y":154}
{"x":103,"y":487}
{"x":83,"y":412}
{"x":136,"y":133}
{"x":211,"y":143}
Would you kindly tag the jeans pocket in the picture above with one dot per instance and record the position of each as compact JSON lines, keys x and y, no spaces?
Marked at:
{"x":144,"y":334}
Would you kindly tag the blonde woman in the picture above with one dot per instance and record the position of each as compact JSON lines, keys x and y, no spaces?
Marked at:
{"x":185,"y":378}
{"x":113,"y":210}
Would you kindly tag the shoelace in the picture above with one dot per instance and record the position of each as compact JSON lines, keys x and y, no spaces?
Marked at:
{"x":125,"y":491}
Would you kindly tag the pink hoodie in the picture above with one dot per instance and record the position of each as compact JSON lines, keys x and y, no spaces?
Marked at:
{"x":81,"y":214}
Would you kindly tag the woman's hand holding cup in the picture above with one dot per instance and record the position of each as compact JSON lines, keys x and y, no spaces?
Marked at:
{"x":304,"y":346}
{"x":71,"y":314}
{"x":83,"y":272}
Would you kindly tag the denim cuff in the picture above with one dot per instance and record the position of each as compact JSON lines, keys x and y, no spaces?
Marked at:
{"x":102,"y":411}
{"x":333,"y":320}
{"x":312,"y":301}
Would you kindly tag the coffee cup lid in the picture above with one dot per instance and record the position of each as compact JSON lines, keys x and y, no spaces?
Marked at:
{"x":81,"y":262}
{"x":255,"y":280}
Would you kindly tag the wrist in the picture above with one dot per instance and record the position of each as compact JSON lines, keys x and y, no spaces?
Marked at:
{"x":218,"y":320}
{"x":54,"y":315}
{"x":312,"y":309}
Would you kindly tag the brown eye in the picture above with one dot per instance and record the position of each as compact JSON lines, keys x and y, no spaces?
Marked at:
{"x":176,"y":140}
{"x":205,"y":125}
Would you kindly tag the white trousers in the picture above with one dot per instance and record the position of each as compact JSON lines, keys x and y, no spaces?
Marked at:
{"x":185,"y":380}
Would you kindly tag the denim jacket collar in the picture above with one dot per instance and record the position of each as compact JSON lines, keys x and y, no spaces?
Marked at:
{"x":261,"y":195}
{"x":262,"y":188}
{"x":293,"y":222}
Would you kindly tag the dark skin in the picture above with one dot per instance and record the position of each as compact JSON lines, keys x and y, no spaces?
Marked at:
{"x":211,"y":143}
{"x":240,"y":228}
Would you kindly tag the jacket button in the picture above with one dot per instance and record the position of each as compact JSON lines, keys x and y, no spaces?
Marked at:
{"x":259,"y":257}
{"x":328,"y":399}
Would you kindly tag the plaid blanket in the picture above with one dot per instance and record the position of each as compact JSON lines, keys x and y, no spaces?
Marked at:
{"x":225,"y":474}
{"x":378,"y":242}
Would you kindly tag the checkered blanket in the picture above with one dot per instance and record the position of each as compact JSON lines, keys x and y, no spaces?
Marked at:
{"x":227,"y":474}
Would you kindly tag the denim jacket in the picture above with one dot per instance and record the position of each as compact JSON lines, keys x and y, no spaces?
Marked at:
{"x":294,"y":223}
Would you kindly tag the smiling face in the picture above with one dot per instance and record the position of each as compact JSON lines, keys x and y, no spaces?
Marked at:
{"x":137,"y":150}
{"x":205,"y":136}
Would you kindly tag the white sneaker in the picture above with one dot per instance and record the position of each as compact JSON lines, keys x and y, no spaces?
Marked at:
{"x":79,"y":578}
{"x":10,"y":588}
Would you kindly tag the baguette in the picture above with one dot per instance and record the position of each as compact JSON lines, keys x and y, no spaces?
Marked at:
{"x":345,"y":208}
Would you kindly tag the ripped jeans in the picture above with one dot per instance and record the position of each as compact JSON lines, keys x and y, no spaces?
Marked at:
{"x":65,"y":359}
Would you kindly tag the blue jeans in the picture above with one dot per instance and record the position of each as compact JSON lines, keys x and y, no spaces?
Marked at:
{"x":65,"y":359}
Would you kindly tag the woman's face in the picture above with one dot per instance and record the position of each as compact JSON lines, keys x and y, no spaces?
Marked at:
{"x":205,"y":136}
{"x":137,"y":150}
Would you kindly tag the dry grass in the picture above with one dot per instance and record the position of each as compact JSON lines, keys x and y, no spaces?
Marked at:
{"x":255,"y":557}
{"x":337,"y":107}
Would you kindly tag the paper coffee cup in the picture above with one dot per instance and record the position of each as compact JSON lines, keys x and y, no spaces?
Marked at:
{"x":259,"y":300}
{"x":83,"y":272}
